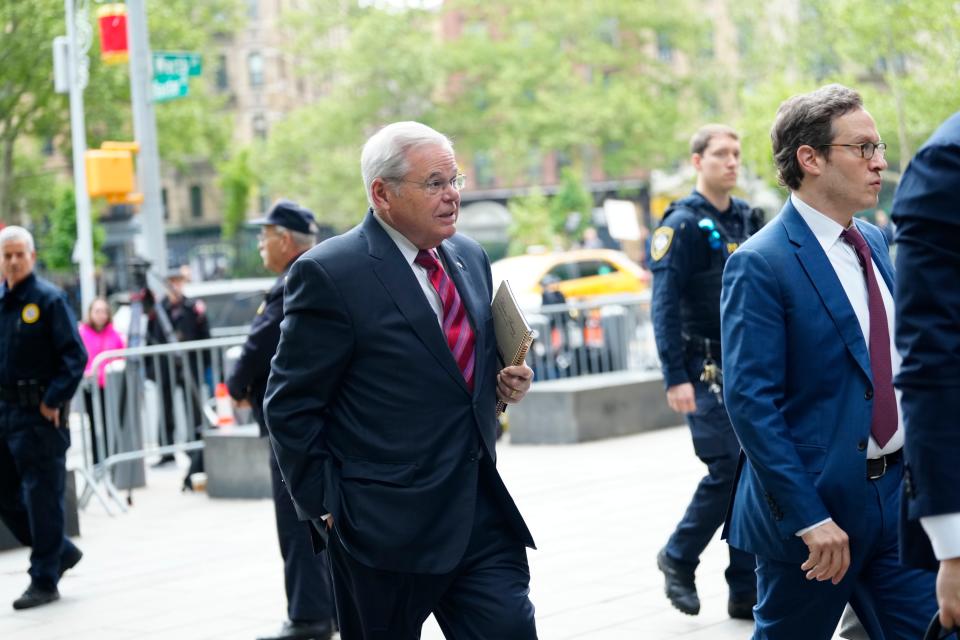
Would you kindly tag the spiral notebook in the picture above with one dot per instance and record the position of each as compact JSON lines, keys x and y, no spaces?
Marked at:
{"x":513,"y":334}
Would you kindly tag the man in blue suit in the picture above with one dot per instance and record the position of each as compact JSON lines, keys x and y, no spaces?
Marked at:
{"x":381,"y":408}
{"x":927,"y":214}
{"x":807,"y":334}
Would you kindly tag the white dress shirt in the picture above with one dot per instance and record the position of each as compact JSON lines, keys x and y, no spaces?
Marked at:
{"x":410,"y":251}
{"x":843,"y":258}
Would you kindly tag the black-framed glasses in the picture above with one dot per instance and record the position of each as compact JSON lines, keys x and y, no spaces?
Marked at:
{"x":867,"y":149}
{"x":436,"y":185}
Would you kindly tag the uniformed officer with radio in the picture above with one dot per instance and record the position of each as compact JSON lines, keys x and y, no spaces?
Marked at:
{"x":688,"y":252}
{"x":41,"y":364}
{"x":288,"y":230}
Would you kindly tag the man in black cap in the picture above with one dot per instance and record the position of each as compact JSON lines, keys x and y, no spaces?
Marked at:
{"x":287,"y":231}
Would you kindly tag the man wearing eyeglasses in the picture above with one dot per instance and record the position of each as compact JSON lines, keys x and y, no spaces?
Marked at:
{"x":697,"y":235}
{"x":381,"y":408}
{"x":807,"y":327}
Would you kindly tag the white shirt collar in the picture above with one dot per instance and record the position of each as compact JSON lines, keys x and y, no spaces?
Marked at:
{"x":826,"y":230}
{"x":407,"y":248}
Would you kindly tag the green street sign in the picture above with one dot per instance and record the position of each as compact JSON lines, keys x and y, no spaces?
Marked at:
{"x":171,"y":73}
{"x":169,"y":87}
{"x":182,"y":63}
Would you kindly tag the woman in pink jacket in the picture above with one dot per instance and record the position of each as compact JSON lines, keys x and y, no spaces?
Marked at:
{"x":98,"y":335}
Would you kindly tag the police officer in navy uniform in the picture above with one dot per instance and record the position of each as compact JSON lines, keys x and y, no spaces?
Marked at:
{"x":41,"y":364}
{"x":688,"y":252}
{"x":183,"y":319}
{"x":288,"y":230}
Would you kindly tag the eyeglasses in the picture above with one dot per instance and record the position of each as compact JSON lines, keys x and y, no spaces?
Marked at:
{"x":867,"y":149}
{"x":435,"y":186}
{"x":266,"y":233}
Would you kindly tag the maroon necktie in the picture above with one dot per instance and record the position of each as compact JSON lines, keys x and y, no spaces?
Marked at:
{"x":883,"y":423}
{"x":456,"y":325}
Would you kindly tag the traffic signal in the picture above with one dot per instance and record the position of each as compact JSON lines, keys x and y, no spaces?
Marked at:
{"x":110,"y":173}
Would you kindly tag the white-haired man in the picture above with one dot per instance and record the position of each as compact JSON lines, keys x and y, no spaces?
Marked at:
{"x":381,"y":407}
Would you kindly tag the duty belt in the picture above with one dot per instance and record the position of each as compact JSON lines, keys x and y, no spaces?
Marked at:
{"x":25,"y":393}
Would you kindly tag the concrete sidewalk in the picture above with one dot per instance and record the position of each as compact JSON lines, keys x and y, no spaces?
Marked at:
{"x":184,"y":567}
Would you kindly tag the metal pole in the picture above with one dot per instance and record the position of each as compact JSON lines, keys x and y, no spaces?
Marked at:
{"x":84,"y":248}
{"x":153,"y":241}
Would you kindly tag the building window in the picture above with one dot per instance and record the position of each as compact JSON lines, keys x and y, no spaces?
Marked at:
{"x":255,"y":68}
{"x":196,"y":201}
{"x":483,"y":177}
{"x":534,"y":166}
{"x":260,"y":126}
{"x":163,"y":201}
{"x":664,"y":47}
{"x":223,"y":81}
{"x":253,"y":9}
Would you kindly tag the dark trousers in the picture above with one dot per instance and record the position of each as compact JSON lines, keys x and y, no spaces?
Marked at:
{"x":892,"y":601}
{"x":306,"y":575}
{"x":32,"y":475}
{"x":88,"y":404}
{"x":716,"y":445}
{"x":486,"y":597}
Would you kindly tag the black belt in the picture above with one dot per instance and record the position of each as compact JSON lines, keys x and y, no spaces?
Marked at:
{"x":877,"y":467}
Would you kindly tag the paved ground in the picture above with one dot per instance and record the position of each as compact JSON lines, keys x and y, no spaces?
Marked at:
{"x":186,"y":567}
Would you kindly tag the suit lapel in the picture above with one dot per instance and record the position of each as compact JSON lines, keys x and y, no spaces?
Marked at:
{"x":880,"y":257}
{"x":468,"y":288}
{"x":824,"y":279}
{"x":400,"y":283}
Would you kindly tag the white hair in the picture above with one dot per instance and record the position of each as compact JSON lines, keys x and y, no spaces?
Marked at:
{"x":15,"y":233}
{"x":385,"y":153}
{"x":300,"y":239}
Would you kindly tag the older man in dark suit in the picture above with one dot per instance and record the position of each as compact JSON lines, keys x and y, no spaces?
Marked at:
{"x":381,"y":407}
{"x":927,"y":214}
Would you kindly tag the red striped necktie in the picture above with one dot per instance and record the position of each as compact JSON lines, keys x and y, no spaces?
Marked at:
{"x":884,"y":420}
{"x":456,"y":325}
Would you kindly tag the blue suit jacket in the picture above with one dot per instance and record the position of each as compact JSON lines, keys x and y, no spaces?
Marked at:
{"x":370,"y":418}
{"x":797,"y":376}
{"x":927,"y":214}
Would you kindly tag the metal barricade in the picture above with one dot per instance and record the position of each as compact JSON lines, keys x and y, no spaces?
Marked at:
{"x":597,"y":336}
{"x":156,"y":401}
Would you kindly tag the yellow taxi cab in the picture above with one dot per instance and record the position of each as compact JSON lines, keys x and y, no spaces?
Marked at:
{"x":578,"y":274}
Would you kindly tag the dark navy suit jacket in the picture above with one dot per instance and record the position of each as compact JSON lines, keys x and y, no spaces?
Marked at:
{"x":370,"y":418}
{"x":797,"y":373}
{"x":926,"y":210}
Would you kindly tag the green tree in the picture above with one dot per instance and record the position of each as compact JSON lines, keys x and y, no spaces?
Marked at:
{"x":57,"y":238}
{"x":572,"y":199}
{"x":900,"y":55}
{"x":583,"y":79}
{"x":531,"y":223}
{"x":31,"y":110}
{"x":236,"y":181}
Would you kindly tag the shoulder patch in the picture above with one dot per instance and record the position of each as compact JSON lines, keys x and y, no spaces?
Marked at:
{"x":660,"y":244}
{"x":30,"y":313}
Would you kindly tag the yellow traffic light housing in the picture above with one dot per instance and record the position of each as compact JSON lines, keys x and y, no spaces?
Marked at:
{"x":110,"y":173}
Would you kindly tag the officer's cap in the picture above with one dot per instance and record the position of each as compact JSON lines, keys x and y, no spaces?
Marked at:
{"x":289,"y":215}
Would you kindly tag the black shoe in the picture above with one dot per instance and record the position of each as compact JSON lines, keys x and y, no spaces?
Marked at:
{"x":741,"y":607}
{"x":291,"y":630}
{"x":69,"y":560}
{"x":35,"y":596}
{"x":187,"y":485}
{"x":679,"y":587}
{"x":165,"y":459}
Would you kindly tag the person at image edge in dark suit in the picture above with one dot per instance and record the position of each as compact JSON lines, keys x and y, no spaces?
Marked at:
{"x":926,"y":211}
{"x":381,"y":408}
{"x":287,"y":231}
{"x":807,"y":325}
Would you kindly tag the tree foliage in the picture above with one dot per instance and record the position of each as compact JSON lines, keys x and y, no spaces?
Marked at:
{"x":587,"y":80}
